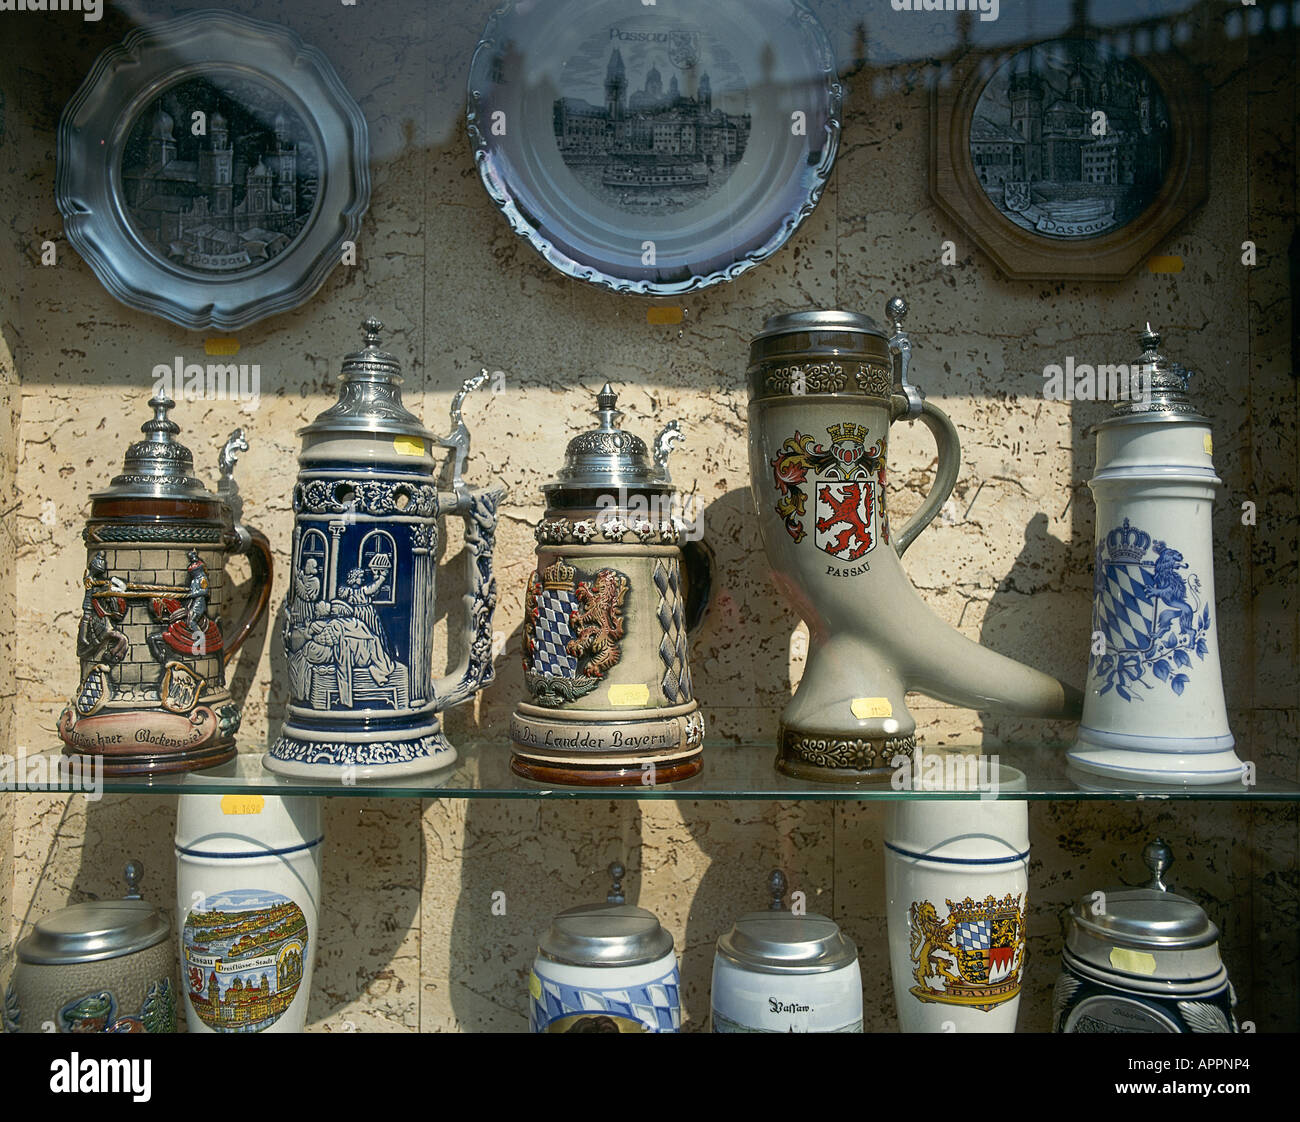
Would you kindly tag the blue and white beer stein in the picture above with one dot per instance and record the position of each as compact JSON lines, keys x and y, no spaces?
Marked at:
{"x":364,"y":702}
{"x":1153,"y":705}
{"x":605,"y":968}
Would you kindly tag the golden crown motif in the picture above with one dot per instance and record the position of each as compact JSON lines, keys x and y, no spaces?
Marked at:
{"x":988,"y":908}
{"x":847,"y":430}
{"x":559,"y":575}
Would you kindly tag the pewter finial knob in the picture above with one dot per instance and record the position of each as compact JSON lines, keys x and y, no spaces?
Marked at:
{"x":161,"y":404}
{"x":776,"y":886}
{"x":616,"y":872}
{"x":134,"y":875}
{"x":372,"y":328}
{"x":1158,"y":857}
{"x":606,"y":398}
{"x":896,"y":310}
{"x":1150,"y":338}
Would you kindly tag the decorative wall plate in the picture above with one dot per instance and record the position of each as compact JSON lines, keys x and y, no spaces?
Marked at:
{"x":210,"y":169}
{"x":654,"y":148}
{"x":1068,"y":159}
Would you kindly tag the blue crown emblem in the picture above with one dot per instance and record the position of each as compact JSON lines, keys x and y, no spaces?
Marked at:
{"x":1127,"y":543}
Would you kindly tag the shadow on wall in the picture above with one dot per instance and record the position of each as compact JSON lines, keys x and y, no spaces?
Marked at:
{"x":1020,"y":623}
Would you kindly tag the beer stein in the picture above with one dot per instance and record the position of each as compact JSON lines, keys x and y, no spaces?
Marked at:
{"x":957,"y":883}
{"x":776,"y":971}
{"x":1153,"y":706}
{"x":101,"y":966}
{"x":152,"y":640}
{"x":605,"y":968}
{"x":248,"y":871}
{"x":364,"y":702}
{"x":606,"y":620}
{"x":822,"y":398}
{"x":1142,"y":960}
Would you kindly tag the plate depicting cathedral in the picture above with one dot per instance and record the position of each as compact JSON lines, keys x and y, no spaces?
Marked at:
{"x":245,"y":951}
{"x":652,"y":121}
{"x":219,"y":174}
{"x":1071,"y":141}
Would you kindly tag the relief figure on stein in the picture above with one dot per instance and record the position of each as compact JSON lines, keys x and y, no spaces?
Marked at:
{"x":340,"y":652}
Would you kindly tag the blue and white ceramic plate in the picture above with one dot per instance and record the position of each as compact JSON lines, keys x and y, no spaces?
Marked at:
{"x":654,"y":148}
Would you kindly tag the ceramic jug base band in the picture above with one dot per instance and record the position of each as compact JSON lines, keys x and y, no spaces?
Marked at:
{"x":148,"y":742}
{"x":613,"y":775}
{"x":835,"y":758}
{"x":349,"y":760}
{"x":1177,"y":762}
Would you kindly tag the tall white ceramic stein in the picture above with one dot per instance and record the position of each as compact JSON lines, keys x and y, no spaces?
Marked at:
{"x":956,"y":878}
{"x":1153,"y":707}
{"x":248,"y":893}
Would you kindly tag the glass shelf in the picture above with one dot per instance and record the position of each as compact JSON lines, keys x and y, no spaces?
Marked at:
{"x":739,"y":772}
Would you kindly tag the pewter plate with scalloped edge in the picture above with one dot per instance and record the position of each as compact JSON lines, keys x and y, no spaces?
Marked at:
{"x":654,"y":148}
{"x":210,"y":169}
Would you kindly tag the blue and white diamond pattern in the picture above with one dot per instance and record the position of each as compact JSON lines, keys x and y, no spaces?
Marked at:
{"x":974,"y":935}
{"x":554,"y":606}
{"x":656,"y":1005}
{"x":1126,"y":606}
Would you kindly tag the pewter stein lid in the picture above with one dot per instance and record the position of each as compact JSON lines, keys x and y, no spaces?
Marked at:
{"x":1168,"y":381}
{"x":370,"y":398}
{"x":615,"y":933}
{"x":609,"y":457}
{"x":825,"y":319}
{"x":97,"y":930}
{"x":779,"y":942}
{"x":160,"y":466}
{"x":1150,"y":918}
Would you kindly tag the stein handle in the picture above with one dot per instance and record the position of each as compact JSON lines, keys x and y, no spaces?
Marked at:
{"x":949,"y":445}
{"x":479,"y":510}
{"x":254,"y":544}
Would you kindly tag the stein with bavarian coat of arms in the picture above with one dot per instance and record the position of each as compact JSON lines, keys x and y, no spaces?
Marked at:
{"x":606,"y":617}
{"x":1154,"y":708}
{"x":153,"y":638}
{"x":364,"y":699}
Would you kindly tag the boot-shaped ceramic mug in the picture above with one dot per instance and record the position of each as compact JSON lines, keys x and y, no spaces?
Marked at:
{"x":956,"y":883}
{"x":364,"y":700}
{"x":822,"y":398}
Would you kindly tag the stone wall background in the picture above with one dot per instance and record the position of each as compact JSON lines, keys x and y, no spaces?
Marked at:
{"x":409,"y":940}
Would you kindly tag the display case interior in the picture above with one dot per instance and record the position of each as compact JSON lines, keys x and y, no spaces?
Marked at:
{"x":436,"y":889}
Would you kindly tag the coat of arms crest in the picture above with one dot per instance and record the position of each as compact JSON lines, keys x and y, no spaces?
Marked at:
{"x":573,"y":623}
{"x":848,"y":478}
{"x":974,"y":957}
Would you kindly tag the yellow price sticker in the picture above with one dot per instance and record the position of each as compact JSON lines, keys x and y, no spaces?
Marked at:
{"x":534,"y":986}
{"x":871,"y":707}
{"x":242,"y":804}
{"x":408,"y":445}
{"x":1208,"y":444}
{"x":629,"y":693}
{"x":1132,"y":962}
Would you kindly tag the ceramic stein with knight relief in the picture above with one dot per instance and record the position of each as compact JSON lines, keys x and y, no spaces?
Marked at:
{"x":158,"y":623}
